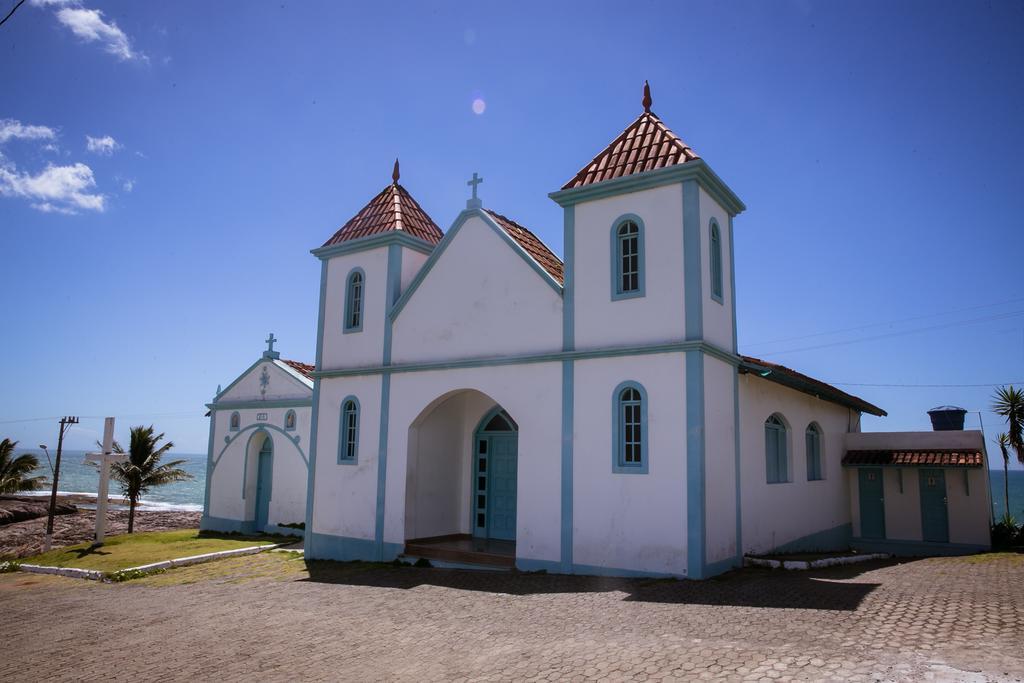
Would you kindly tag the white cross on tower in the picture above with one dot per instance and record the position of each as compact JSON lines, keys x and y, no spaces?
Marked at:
{"x":104,"y":459}
{"x":474,"y":202}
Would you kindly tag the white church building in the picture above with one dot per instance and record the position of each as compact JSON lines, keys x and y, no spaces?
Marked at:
{"x":476,"y":399}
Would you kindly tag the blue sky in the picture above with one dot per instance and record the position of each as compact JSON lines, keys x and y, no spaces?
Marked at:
{"x":876,"y":146}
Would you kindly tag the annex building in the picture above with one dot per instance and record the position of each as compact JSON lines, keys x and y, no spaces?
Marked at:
{"x":477,"y":399}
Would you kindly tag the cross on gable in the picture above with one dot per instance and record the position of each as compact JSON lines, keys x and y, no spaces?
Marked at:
{"x":474,"y":202}
{"x":270,"y":352}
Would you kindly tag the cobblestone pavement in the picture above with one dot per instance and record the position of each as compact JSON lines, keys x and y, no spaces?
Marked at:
{"x":269,"y":617}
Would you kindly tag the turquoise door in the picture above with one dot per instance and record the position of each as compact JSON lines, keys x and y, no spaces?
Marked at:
{"x":494,"y":477}
{"x":264,"y":473}
{"x":872,"y":503}
{"x":502,"y":493}
{"x":934,"y":514}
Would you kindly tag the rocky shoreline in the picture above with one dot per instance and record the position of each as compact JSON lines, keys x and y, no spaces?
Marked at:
{"x":22,"y":539}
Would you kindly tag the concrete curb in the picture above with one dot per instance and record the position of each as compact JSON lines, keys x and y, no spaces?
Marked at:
{"x":813,"y":564}
{"x":95,"y":575}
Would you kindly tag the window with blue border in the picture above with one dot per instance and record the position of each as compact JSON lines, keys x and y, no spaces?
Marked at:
{"x":348,"y":436}
{"x":775,"y":450}
{"x":812,"y":437}
{"x":289,"y":421}
{"x":716,"y":261}
{"x":235,"y":422}
{"x":627,"y":250}
{"x":354,"y":290}
{"x":630,"y":448}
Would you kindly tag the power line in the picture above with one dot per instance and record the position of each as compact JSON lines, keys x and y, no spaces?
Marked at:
{"x":11,"y":13}
{"x":999,"y":316}
{"x":138,"y":416}
{"x":888,"y":322}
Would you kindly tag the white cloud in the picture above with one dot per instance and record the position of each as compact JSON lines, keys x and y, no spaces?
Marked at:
{"x":89,"y":25}
{"x":48,"y":3}
{"x":62,"y":189}
{"x":11,"y":129}
{"x":128,"y":185}
{"x":105,"y":145}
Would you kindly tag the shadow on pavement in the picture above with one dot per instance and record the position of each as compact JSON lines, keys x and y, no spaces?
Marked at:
{"x":826,"y":589}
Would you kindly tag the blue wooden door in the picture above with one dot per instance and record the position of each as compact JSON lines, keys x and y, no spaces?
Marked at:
{"x":501,"y":495}
{"x":264,"y":474}
{"x":934,"y":514}
{"x":872,"y":503}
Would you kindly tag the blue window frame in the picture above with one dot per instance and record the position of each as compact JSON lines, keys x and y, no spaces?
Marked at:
{"x":812,"y":437}
{"x":716,"y":261}
{"x":627,"y":249}
{"x":236,"y":422}
{"x":354,"y":291}
{"x":630,"y":448}
{"x":289,"y":421}
{"x":348,"y":435}
{"x":776,"y":457}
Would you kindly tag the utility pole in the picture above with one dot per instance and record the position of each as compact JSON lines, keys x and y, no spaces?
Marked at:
{"x":65,"y":423}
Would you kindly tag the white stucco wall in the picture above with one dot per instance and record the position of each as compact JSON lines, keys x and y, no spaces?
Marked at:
{"x":531,"y":394}
{"x":288,"y":492}
{"x":776,"y":514}
{"x":717,"y":316}
{"x":412,"y":261}
{"x":345,"y":495}
{"x":364,"y":348}
{"x":480,"y":299}
{"x":657,"y":316}
{"x":630,"y":521}
{"x":283,"y":383}
{"x":719,"y":461}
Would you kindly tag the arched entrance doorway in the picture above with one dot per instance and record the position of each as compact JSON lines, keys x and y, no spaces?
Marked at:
{"x":494,"y":476}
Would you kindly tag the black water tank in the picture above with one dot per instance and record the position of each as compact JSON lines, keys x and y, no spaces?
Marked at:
{"x":947,"y":418}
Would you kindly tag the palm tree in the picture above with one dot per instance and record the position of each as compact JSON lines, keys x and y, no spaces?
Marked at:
{"x":1009,"y":403}
{"x":143,"y":470}
{"x":16,"y":473}
{"x":1004,"y":446}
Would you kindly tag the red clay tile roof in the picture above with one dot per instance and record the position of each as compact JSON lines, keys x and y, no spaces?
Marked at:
{"x":927,"y":458}
{"x":808,"y":385}
{"x":532,"y":244}
{"x":392,"y":209}
{"x":645,"y":145}
{"x":304,"y":369}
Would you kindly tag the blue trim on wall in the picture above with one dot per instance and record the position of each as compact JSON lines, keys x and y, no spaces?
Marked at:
{"x":568,"y":399}
{"x":717,"y":279}
{"x":372,"y":242}
{"x":235,"y":422}
{"x":260,"y":425}
{"x":382,"y":463}
{"x":245,"y":455}
{"x":618,"y":466}
{"x":616,"y":258}
{"x":343,"y":437}
{"x":695,"y":505}
{"x":227,"y":526}
{"x":693,"y":301}
{"x":295,"y":421}
{"x":915,"y":548}
{"x":569,"y":277}
{"x":347,"y":549}
{"x":732,"y":288}
{"x":239,"y":378}
{"x":346,"y":328}
{"x":316,"y":406}
{"x":258,"y":404}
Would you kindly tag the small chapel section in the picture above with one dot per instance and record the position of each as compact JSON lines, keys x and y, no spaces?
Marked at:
{"x":257,"y":464}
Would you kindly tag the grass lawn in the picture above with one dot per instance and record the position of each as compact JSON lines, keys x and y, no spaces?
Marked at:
{"x":133,"y":550}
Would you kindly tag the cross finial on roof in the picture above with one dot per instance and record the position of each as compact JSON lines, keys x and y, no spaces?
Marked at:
{"x":474,"y":202}
{"x":647,"y":97}
{"x":394,"y":173}
{"x":270,"y":352}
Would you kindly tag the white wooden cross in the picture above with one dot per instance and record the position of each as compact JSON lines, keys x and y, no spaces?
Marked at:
{"x":104,"y":459}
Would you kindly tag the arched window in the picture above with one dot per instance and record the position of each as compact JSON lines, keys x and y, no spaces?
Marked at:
{"x":236,"y":421}
{"x":348,"y":438}
{"x":627,"y":257}
{"x":354,"y":301}
{"x":776,"y":458}
{"x":289,"y":420}
{"x":716,"y":262}
{"x":813,"y":439}
{"x":629,"y":430}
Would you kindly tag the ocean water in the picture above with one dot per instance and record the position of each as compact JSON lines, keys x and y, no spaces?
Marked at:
{"x":1016,"y":494}
{"x":76,"y":476}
